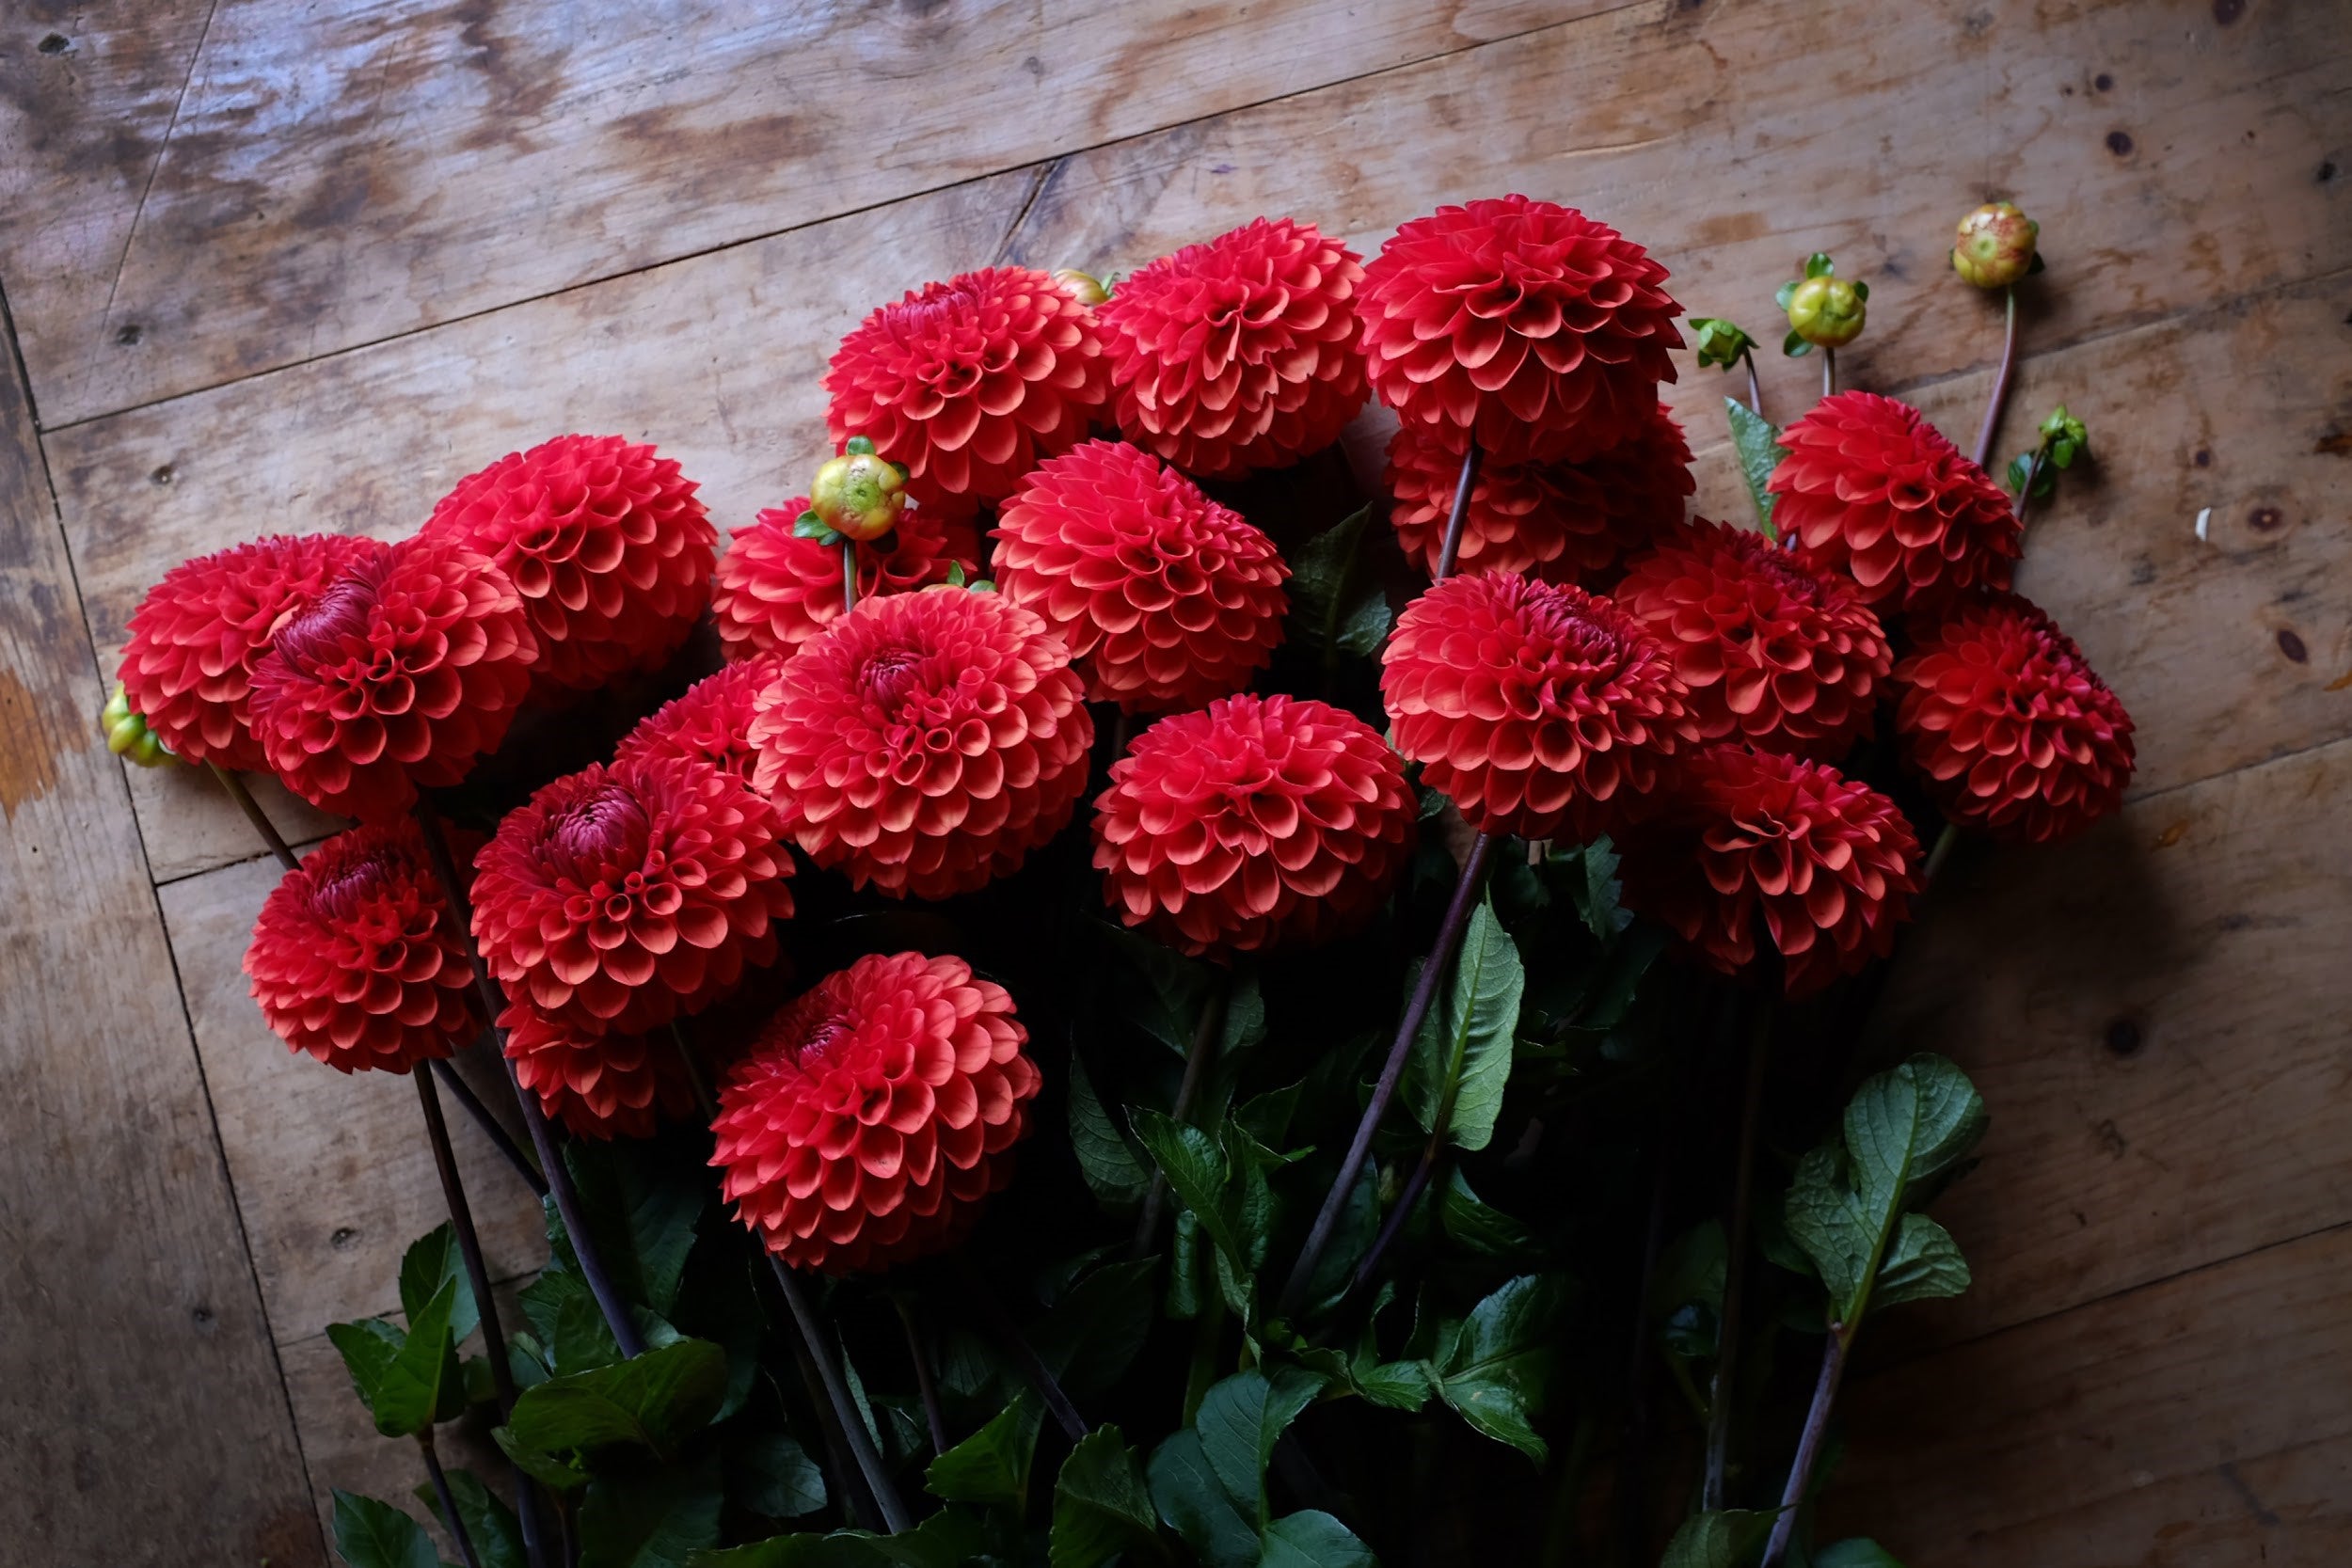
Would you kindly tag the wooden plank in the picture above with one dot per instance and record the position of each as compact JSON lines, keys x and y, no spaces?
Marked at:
{"x":340,"y":173}
{"x":2155,"y":1014}
{"x":142,"y":1417}
{"x":2206,"y":1420}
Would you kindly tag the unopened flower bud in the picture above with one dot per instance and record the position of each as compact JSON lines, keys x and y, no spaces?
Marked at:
{"x":127,"y":734}
{"x":859,"y":495}
{"x":1084,"y":287}
{"x":1995,"y":246}
{"x":1827,"y":311}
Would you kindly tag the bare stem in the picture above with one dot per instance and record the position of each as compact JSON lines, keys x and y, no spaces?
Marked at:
{"x":849,"y":577}
{"x":2024,"y":496}
{"x":1460,"y":514}
{"x":1829,"y":373}
{"x":1938,"y":855}
{"x":440,"y":1489}
{"x":861,"y":1444}
{"x":1033,"y":1367}
{"x":584,"y":1250}
{"x":230,"y":782}
{"x":1414,"y":1185}
{"x":1424,"y":991}
{"x":1808,"y":1443}
{"x":1204,"y":1035}
{"x":933,"y":1419}
{"x":1755,"y":389}
{"x":1991,"y":425}
{"x":1735,"y":1259}
{"x":492,"y":1128}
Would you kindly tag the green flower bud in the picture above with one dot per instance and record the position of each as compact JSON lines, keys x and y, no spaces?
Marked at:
{"x":1718,"y":342}
{"x":1084,"y":287}
{"x":1827,"y":311}
{"x":859,"y":495}
{"x":127,"y":734}
{"x":2064,"y":437}
{"x":1995,"y":246}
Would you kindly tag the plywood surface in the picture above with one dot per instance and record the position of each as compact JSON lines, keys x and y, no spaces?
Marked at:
{"x":299,"y":266}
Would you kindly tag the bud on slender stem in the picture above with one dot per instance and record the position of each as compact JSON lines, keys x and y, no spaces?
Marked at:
{"x":1084,"y":287}
{"x":859,"y":495}
{"x":1995,"y":246}
{"x":127,"y":734}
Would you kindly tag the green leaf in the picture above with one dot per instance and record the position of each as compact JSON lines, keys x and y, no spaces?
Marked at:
{"x":858,"y":446}
{"x":1794,"y":346}
{"x":654,"y":1402}
{"x":651,"y":1517}
{"x":1196,"y":1172}
{"x":1476,"y":1227}
{"x":1492,"y":1367}
{"x":646,"y":1211}
{"x":1730,"y":1539}
{"x":1820,"y":265}
{"x":373,"y":1534}
{"x":1167,"y":1006}
{"x":498,"y":1541}
{"x":1781,"y":297}
{"x":1197,"y":1507}
{"x":1902,"y":1130}
{"x":1240,"y":1421}
{"x":1335,"y":606}
{"x":1862,"y":290}
{"x":1595,"y":891}
{"x":1461,"y":1060}
{"x":1859,"y":1552}
{"x":1358,"y":1227}
{"x":407,"y":1381}
{"x":1312,"y":1539}
{"x":370,"y":1347}
{"x":1395,"y":1384}
{"x":1100,"y":1504}
{"x":1093,"y":1332}
{"x":950,"y":1538}
{"x":992,"y":1466}
{"x":955,"y":574}
{"x":563,"y":1474}
{"x":1720,"y":342}
{"x":1113,"y":1171}
{"x":433,"y":1261}
{"x":810,"y":526}
{"x":1923,"y":1263}
{"x":1757,"y":444}
{"x":773,"y":1475}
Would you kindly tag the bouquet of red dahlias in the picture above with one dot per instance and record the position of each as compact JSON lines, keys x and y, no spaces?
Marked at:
{"x":1120,"y":1023}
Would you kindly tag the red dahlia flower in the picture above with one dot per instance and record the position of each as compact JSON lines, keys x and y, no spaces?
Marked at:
{"x":776,"y":590}
{"x":872,"y":1115}
{"x":396,"y":676}
{"x":1167,"y":597}
{"x":1871,"y":489}
{"x":1829,"y":865}
{"x":605,"y":542}
{"x":195,"y":638}
{"x":2013,"y":731}
{"x":618,"y":897}
{"x":1774,"y":655}
{"x":357,"y":960}
{"x":1256,"y":821}
{"x":1541,"y":709}
{"x":1564,"y":521}
{"x":611,"y":1085}
{"x":925,"y":744}
{"x":710,"y":722}
{"x":971,"y":381}
{"x":1529,"y":324}
{"x":1238,"y":353}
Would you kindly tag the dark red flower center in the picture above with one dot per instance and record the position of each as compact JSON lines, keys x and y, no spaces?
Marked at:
{"x":341,"y":898}
{"x":334,"y":625}
{"x":598,"y":836}
{"x":891,"y":675}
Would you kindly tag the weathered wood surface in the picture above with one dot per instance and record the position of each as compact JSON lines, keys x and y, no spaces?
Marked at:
{"x":142,"y":1421}
{"x":2154,"y":1013}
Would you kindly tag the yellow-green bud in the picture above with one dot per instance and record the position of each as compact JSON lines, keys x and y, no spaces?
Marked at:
{"x":1826,"y":312}
{"x":127,"y":734}
{"x":1084,"y":287}
{"x":859,"y":496}
{"x":1995,"y":246}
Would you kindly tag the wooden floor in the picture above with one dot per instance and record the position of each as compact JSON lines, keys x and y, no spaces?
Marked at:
{"x":300,"y":263}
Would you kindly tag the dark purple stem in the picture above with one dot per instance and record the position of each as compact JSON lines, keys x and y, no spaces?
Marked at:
{"x":492,"y":1127}
{"x":1808,"y":1443}
{"x":1196,"y":1069}
{"x":440,"y":1489}
{"x":254,"y":815}
{"x":895,"y":1519}
{"x":1991,"y":425}
{"x":1414,"y":1185}
{"x":1727,"y":1330}
{"x":1456,"y":518}
{"x":934,"y":1420}
{"x":1756,"y":387}
{"x":1033,"y":1367}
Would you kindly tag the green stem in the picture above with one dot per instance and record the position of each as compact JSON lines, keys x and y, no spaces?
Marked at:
{"x":1206,"y":1333}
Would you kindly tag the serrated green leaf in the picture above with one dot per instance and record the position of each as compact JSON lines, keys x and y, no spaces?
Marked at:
{"x":651,"y":1517}
{"x":1313,"y":1539}
{"x":770,"y":1474}
{"x":991,"y":1468}
{"x":1478,"y":1226}
{"x":1756,"y":443}
{"x":407,"y":1381}
{"x":951,"y":1538}
{"x":1101,"y":1506}
{"x":655,"y":1401}
{"x":432,"y":1260}
{"x":1493,"y":1367}
{"x":1395,"y":1384}
{"x":1240,"y":1421}
{"x":1335,"y":606}
{"x":373,"y":1534}
{"x":498,"y":1541}
{"x":1168,"y":1005}
{"x":1461,"y":1060}
{"x":1596,"y":889}
{"x":1196,"y":1171}
{"x":1729,"y":1539}
{"x":368,"y":1347}
{"x":1114,"y":1172}
{"x":1859,"y":1552}
{"x":646,"y":1211}
{"x":563,"y":1473}
{"x":1923,"y":1263}
{"x":1093,"y":1332}
{"x":1195,"y":1504}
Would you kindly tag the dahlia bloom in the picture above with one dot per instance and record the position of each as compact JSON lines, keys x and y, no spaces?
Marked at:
{"x":611,"y":1085}
{"x":394,"y":678}
{"x":1871,"y":489}
{"x":870,"y":1118}
{"x":1829,"y":865}
{"x":1774,"y":655}
{"x":188,"y":667}
{"x":926,"y":743}
{"x":1165,"y":597}
{"x":1540,"y":709}
{"x":1565,"y":522}
{"x":710,"y":722}
{"x":1238,"y":353}
{"x":1529,"y":325}
{"x":1253,"y":822}
{"x":970,"y":382}
{"x":2013,"y":731}
{"x":605,"y":542}
{"x":777,"y":590}
{"x":616,"y":899}
{"x":357,"y":960}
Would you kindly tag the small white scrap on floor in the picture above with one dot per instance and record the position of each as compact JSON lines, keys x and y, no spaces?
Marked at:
{"x":2203,"y":518}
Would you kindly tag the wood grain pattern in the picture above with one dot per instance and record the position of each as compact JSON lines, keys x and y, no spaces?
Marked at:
{"x":136,"y":1379}
{"x":336,"y":174}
